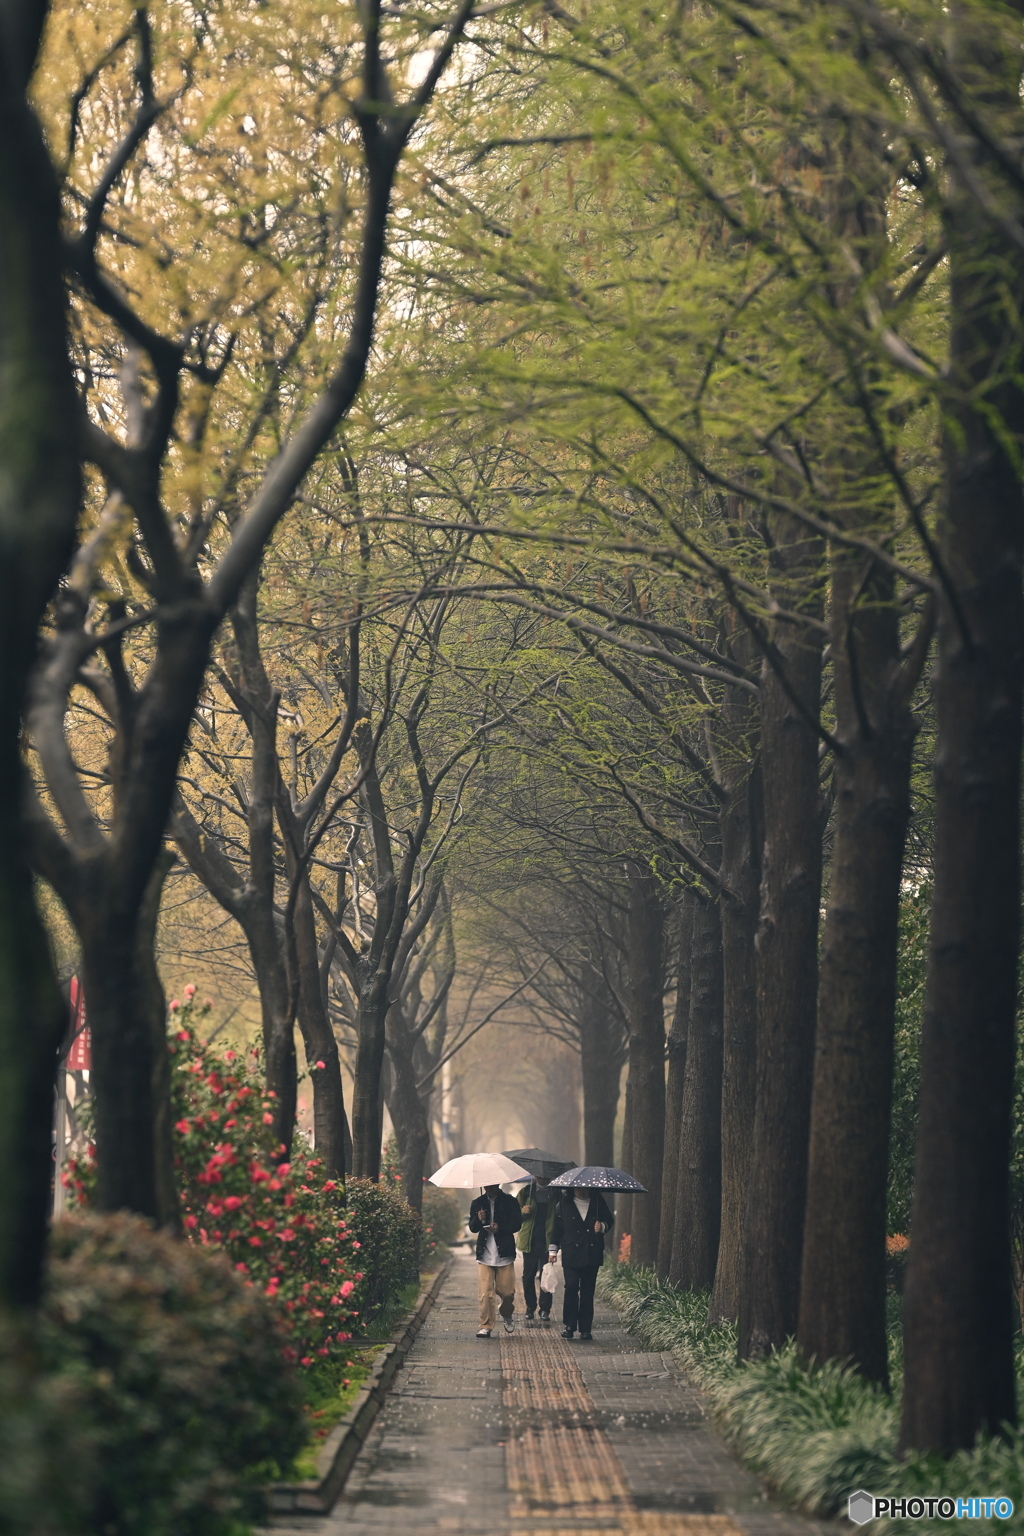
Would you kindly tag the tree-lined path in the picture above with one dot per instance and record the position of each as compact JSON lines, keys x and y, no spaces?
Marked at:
{"x":529,"y":1434}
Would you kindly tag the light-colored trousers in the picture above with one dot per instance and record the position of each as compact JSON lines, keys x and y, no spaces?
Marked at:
{"x":496,"y":1281}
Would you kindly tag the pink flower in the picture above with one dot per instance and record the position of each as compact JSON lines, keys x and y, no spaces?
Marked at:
{"x":182,"y":1127}
{"x":268,"y":1119}
{"x":255,"y":1242}
{"x":191,"y":1222}
{"x":321,"y":1066}
{"x":232,"y":1202}
{"x":345,"y":1290}
{"x":230,"y":1055}
{"x":182,"y":1034}
{"x":190,"y":991}
{"x":330,"y":1184}
{"x":174,"y":1005}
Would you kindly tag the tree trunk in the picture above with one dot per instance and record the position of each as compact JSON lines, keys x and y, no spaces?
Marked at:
{"x":39,"y":500}
{"x":331,"y":1137}
{"x":625,"y":1203}
{"x":601,"y":1057}
{"x":646,"y":1055}
{"x":408,"y":1111}
{"x":33,"y":1021}
{"x":266,"y":951}
{"x":842,"y":1288}
{"x":787,"y":958}
{"x":742,"y":831}
{"x":676,"y":1051}
{"x":130,"y":1081}
{"x":366,"y":1089}
{"x":958,"y":1313}
{"x":699,"y":1186}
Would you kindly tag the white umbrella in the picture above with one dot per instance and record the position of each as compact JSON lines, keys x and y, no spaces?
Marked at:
{"x":475,"y":1169}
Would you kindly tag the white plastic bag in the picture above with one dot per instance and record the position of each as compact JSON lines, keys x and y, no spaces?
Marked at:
{"x":549,"y":1276}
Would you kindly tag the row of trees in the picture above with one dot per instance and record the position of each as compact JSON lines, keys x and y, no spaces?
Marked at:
{"x":693,"y":423}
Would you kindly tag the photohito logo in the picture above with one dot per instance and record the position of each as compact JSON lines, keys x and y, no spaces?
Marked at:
{"x":863,"y":1506}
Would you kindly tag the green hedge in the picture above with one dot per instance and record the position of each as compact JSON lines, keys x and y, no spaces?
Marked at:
{"x":816,"y":1435}
{"x":175,"y":1369}
{"x":443,"y":1218}
{"x":388,"y":1246}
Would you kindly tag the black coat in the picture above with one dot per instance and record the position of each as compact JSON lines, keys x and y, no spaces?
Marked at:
{"x":508,"y":1218}
{"x":581,"y":1246}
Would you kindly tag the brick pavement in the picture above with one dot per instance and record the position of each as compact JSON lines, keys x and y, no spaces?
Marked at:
{"x":529,"y":1435}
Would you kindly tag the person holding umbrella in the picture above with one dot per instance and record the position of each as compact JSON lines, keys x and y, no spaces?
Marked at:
{"x":582,"y":1219}
{"x":581,"y":1224}
{"x":495,"y":1218}
{"x":538,"y":1204}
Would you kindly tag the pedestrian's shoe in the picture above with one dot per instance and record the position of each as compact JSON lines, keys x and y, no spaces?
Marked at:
{"x":529,"y":1314}
{"x":567,"y":1333}
{"x":586,"y":1335}
{"x":545,"y":1317}
{"x":483,"y":1333}
{"x":509,"y":1324}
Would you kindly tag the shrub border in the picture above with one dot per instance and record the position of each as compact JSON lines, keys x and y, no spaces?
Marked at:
{"x":317,"y":1496}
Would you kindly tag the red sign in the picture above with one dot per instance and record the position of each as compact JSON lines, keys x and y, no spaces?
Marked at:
{"x":79,"y":1057}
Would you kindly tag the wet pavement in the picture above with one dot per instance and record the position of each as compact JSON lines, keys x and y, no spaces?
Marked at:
{"x":531,"y":1435}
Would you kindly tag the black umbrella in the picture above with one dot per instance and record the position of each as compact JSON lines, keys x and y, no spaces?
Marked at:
{"x":543,"y":1165}
{"x":596,"y":1178}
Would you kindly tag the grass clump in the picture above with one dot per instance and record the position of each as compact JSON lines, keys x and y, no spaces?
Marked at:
{"x":816,"y":1435}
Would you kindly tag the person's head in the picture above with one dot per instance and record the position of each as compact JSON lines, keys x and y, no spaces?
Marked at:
{"x":543,"y":1182}
{"x":491,"y":1190}
{"x":581,"y":1194}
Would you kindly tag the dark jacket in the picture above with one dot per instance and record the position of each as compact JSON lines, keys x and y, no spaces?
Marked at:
{"x":536,"y":1234}
{"x":581,"y":1246}
{"x":508,"y":1217}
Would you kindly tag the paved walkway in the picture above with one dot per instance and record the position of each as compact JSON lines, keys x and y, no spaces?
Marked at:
{"x":528,"y":1435}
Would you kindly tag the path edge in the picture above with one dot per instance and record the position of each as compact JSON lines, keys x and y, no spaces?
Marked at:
{"x":317,"y":1496}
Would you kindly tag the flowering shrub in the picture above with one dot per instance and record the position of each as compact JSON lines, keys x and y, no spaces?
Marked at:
{"x":175,"y":1370}
{"x":389,"y":1231}
{"x":283,"y":1226}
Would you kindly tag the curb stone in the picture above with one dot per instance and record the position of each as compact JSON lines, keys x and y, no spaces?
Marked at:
{"x":316,"y":1496}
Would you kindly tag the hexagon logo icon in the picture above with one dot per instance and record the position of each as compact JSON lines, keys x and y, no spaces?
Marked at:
{"x":861,"y":1507}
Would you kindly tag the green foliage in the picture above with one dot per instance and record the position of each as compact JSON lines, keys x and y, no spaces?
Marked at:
{"x":48,"y":1465}
{"x":442,"y":1219}
{"x":815,"y":1434}
{"x":388,"y":1245}
{"x":177,"y":1366}
{"x":910,"y":980}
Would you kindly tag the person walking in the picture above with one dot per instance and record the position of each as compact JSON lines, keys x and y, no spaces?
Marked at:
{"x":538,"y":1204}
{"x":495,"y":1218}
{"x":581,"y":1222}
